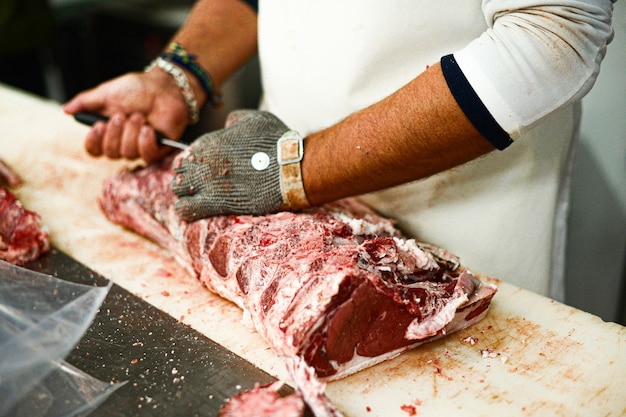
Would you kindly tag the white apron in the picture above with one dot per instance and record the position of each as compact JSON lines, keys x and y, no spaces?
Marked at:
{"x":503,"y":214}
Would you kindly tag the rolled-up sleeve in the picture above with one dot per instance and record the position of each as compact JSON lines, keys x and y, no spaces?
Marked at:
{"x":535,"y":58}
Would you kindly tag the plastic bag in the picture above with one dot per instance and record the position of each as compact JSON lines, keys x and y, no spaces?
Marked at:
{"x":42,"y":318}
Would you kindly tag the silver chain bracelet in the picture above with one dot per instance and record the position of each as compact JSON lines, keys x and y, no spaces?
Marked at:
{"x":183,"y":83}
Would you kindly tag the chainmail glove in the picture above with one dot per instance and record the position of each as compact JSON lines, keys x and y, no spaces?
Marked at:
{"x":250,"y":167}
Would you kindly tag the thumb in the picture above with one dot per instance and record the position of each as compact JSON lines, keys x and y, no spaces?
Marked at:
{"x":85,"y":101}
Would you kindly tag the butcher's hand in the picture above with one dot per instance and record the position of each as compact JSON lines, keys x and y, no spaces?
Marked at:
{"x":136,"y":104}
{"x":240,"y":169}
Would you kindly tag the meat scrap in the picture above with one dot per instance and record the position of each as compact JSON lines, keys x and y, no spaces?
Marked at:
{"x":8,"y":177}
{"x":338,"y":285}
{"x":22,"y":238}
{"x":263,"y":401}
{"x":309,"y":398}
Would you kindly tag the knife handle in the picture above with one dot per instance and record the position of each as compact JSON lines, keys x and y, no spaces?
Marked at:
{"x":91,"y":118}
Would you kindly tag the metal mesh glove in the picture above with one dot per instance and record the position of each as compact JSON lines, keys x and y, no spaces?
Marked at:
{"x":236,"y":170}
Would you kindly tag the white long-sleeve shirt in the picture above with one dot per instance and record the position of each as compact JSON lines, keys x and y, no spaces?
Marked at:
{"x":517,"y":68}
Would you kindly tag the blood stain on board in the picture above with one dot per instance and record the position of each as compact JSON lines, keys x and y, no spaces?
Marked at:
{"x":409,"y":409}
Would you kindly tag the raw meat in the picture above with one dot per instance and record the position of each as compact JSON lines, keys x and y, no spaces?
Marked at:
{"x":22,"y":238}
{"x":310,"y":388}
{"x":337,"y":285}
{"x":8,"y":177}
{"x":308,"y":399}
{"x":263,"y":401}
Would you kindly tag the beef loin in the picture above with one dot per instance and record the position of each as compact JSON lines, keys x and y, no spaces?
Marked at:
{"x":338,"y":285}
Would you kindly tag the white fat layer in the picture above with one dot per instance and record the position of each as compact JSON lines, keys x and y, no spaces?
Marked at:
{"x":426,"y":328}
{"x":311,"y":388}
{"x":363,"y":227}
{"x":417,"y":330}
{"x":422,"y":259}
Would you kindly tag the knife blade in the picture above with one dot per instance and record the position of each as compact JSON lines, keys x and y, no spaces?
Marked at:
{"x":165,"y":362}
{"x":91,"y":118}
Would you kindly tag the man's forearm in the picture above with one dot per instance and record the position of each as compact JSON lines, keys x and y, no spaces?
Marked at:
{"x":223,"y":35}
{"x":416,"y":132}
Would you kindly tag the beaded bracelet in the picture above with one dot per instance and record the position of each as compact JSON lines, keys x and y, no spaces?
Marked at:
{"x":183,"y":84}
{"x":179,"y":56}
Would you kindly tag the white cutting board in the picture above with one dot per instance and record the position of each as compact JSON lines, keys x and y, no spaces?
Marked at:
{"x":541,"y":358}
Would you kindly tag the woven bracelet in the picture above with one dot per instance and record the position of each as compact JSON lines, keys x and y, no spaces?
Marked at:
{"x":179,"y":56}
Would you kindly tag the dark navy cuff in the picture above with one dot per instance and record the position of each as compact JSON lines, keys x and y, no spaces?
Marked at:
{"x":472,"y":105}
{"x":253,"y":3}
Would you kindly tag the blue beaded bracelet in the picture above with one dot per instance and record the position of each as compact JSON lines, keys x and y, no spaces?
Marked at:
{"x":176,"y":54}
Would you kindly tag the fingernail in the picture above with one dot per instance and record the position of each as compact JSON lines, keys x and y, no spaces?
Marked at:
{"x":117,"y":119}
{"x":136,"y":117}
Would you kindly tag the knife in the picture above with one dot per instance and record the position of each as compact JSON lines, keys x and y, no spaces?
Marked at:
{"x":165,"y":362}
{"x":91,"y":118}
